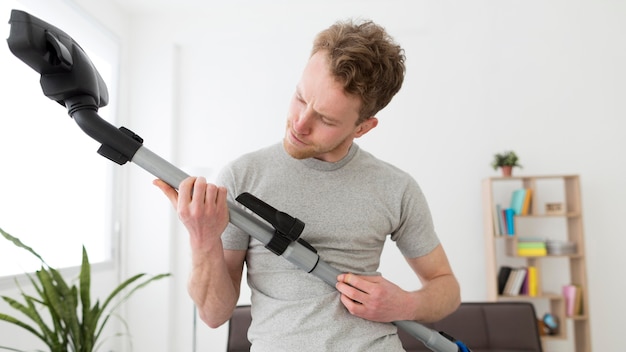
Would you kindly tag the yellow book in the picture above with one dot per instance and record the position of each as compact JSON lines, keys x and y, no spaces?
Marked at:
{"x":532,"y":252}
{"x":532,"y":281}
{"x":527,"y":202}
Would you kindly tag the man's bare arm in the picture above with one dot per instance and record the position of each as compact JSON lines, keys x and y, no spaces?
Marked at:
{"x":215,"y":277}
{"x":376,"y":298}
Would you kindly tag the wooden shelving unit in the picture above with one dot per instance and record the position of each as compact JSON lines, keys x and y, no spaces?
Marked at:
{"x":553,"y":270}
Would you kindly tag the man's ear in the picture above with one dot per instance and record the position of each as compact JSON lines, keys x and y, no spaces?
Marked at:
{"x":366,"y":126}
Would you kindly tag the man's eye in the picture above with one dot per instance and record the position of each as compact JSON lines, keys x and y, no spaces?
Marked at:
{"x":326,"y":121}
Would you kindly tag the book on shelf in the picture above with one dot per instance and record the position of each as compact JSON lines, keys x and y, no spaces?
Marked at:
{"x":517,"y":200}
{"x":532,"y":252}
{"x":503,"y":276}
{"x":510,"y":281}
{"x":498,"y":221}
{"x":578,"y":301}
{"x":531,"y":247}
{"x":573,"y":300}
{"x":505,"y":226}
{"x":518,"y":281}
{"x":533,"y":286}
{"x":514,"y":282}
{"x":504,"y":218}
{"x":535,"y":240}
{"x":509,"y":215}
{"x":527,"y":202}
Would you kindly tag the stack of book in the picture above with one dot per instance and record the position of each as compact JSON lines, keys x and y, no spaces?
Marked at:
{"x":518,"y":281}
{"x":531,"y":247}
{"x":519,"y":206}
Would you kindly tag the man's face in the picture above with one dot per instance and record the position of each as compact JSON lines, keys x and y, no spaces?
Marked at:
{"x":322,"y":117}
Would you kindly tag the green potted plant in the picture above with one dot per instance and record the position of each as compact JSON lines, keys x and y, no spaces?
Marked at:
{"x":63,"y":316}
{"x":506,"y":161}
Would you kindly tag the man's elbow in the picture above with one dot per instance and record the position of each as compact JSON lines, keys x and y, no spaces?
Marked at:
{"x":212,"y":321}
{"x":455,"y":298}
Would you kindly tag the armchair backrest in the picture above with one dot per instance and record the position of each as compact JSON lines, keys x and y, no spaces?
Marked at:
{"x":482,"y":326}
{"x":487,"y":327}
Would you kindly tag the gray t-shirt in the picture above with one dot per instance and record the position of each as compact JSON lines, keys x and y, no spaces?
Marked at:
{"x":349,"y":208}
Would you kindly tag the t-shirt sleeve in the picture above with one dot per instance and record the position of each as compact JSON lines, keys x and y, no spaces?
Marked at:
{"x":415,"y":236}
{"x":233,"y":238}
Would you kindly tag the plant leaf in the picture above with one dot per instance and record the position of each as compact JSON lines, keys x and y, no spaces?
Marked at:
{"x":65,"y":301}
{"x":61,"y":301}
{"x":16,"y":241}
{"x":88,"y":322}
{"x":10,"y":349}
{"x":120,"y":288}
{"x":137,"y":287}
{"x":15,"y":321}
{"x":54,"y":302}
{"x":29,"y":310}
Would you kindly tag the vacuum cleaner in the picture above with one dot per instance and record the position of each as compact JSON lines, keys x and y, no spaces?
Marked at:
{"x":69,"y":77}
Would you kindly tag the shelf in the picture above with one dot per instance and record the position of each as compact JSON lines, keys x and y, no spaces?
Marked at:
{"x":550,"y":296}
{"x":552,"y":270}
{"x":535,"y":177}
{"x":578,"y":317}
{"x":566,"y":215}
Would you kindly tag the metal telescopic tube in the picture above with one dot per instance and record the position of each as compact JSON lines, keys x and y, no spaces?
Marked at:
{"x":159,"y":167}
{"x":430,"y":338}
{"x":296,"y":253}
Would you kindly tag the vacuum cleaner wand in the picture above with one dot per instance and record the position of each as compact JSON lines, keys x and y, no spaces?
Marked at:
{"x":69,"y":77}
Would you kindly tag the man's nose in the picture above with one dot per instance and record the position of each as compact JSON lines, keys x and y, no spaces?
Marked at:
{"x":302,"y":124}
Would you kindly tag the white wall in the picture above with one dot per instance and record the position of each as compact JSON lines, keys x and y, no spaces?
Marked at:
{"x":544,"y":78}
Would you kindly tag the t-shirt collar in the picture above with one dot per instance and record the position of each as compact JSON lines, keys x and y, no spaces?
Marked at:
{"x":321,"y":165}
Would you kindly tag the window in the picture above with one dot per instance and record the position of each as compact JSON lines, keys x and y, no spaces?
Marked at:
{"x":55,"y":190}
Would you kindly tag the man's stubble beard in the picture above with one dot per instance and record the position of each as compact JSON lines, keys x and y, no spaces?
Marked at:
{"x":298,"y":153}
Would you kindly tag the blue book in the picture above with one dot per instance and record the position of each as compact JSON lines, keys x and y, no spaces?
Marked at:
{"x":510,"y":213}
{"x":517,"y":200}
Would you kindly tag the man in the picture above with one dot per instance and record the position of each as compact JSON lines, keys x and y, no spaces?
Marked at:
{"x":349,"y":200}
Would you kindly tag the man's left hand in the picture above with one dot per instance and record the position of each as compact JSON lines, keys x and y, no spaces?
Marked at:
{"x":374,"y":298}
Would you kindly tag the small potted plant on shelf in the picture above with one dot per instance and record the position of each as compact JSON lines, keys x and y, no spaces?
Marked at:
{"x":506,"y":161}
{"x":63,"y":316}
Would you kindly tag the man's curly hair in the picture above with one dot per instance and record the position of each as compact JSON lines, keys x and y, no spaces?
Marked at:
{"x":366,"y":60}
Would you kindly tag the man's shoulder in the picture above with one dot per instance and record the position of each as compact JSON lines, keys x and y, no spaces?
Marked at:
{"x":372,"y":163}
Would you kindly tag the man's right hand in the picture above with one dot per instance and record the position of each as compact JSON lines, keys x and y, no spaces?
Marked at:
{"x":201,"y":207}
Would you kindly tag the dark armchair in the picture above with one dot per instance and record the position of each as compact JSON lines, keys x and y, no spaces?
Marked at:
{"x":482,"y":326}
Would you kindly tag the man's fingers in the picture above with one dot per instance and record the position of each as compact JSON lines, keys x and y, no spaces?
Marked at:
{"x":199,"y":189}
{"x":358,"y":282}
{"x":211,"y":193}
{"x":168,"y":190}
{"x":222,"y":193}
{"x":349,"y":285}
{"x":186,"y":188}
